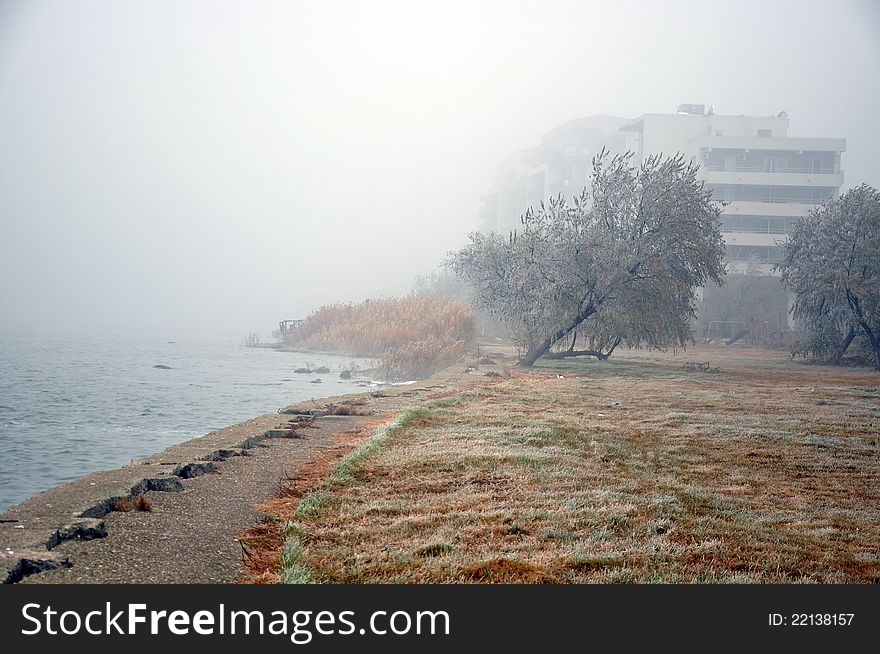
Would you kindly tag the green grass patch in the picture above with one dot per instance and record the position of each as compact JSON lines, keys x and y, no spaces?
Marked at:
{"x":310,"y":504}
{"x":294,"y":570}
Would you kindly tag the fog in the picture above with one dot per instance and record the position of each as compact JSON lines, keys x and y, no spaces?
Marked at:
{"x":214,"y":167}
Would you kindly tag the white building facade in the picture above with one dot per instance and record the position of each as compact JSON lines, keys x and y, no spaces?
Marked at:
{"x":766,"y":179}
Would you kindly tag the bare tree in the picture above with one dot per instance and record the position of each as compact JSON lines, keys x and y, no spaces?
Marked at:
{"x":624,"y":258}
{"x":832,"y":265}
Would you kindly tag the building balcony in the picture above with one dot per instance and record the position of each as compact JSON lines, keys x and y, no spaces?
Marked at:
{"x":789,"y":143}
{"x":749,"y":178}
{"x":793,"y":209}
{"x":738,"y":267}
{"x":745,"y":168}
{"x":754,"y":238}
{"x":769,"y":229}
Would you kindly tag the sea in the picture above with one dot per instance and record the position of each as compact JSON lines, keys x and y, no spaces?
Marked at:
{"x":70,"y":406}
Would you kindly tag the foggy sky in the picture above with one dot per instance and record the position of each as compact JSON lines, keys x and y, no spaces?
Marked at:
{"x":177,"y":167}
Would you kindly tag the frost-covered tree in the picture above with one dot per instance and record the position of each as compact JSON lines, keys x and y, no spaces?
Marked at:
{"x":831,"y":264}
{"x":620,"y":262}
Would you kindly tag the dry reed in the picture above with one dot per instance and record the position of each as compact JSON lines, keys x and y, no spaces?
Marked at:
{"x":413,"y":336}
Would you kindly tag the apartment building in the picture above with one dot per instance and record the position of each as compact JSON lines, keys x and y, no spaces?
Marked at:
{"x":767,"y":179}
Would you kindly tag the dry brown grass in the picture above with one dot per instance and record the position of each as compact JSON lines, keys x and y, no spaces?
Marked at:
{"x":414,"y":336}
{"x":344,"y":409}
{"x":261,"y":544}
{"x":137,"y":503}
{"x":635,"y":470}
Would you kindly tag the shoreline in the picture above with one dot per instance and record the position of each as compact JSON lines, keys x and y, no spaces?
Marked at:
{"x":70,"y":407}
{"x":30,"y":530}
{"x":209,"y":523}
{"x":33,"y":532}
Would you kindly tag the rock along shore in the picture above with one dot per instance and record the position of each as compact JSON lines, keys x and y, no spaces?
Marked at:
{"x":203,"y":492}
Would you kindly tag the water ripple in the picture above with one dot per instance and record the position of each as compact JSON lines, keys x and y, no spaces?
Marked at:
{"x":73,"y":406}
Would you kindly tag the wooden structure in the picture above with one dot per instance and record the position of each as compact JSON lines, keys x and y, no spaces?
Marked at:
{"x":286,"y":326}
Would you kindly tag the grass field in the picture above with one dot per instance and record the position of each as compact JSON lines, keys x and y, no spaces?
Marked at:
{"x":632,"y":470}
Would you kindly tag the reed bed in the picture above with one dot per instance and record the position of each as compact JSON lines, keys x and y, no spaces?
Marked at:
{"x":412,"y":336}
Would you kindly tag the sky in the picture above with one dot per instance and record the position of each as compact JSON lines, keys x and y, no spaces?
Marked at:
{"x":210,"y":168}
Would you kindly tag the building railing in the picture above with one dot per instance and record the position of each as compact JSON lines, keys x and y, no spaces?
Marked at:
{"x":796,"y":201}
{"x":808,"y":201}
{"x":720,"y":168}
{"x":753,"y":230}
{"x":754,"y":258}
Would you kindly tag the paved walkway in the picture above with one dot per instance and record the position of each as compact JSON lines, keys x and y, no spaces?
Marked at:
{"x":188,"y":536}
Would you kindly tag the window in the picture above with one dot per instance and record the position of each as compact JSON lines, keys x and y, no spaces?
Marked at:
{"x":765,"y":133}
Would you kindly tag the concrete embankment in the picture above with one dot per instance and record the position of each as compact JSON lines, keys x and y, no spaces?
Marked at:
{"x":31,"y":531}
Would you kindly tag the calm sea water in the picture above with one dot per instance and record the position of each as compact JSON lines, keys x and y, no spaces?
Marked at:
{"x":70,"y":406}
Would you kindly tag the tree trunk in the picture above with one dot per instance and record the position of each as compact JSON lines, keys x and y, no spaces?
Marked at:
{"x":599,"y":354}
{"x":874,"y":340}
{"x":542,"y":348}
{"x":875,"y":345}
{"x":613,"y":346}
{"x":577,"y":353}
{"x":574,"y":336}
{"x":845,"y":345}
